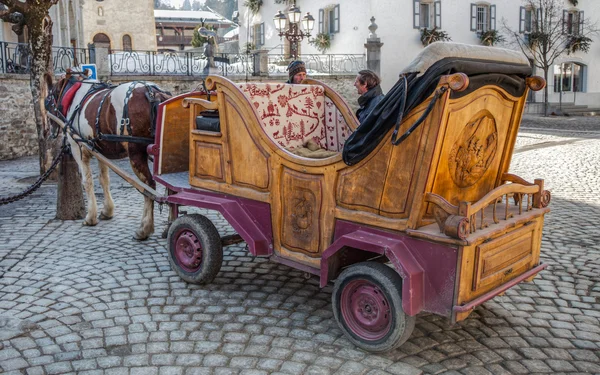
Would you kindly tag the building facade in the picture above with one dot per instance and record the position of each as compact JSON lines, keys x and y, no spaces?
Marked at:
{"x":67,"y":27}
{"x":175,"y":28}
{"x":124,"y":25}
{"x":575,"y":78}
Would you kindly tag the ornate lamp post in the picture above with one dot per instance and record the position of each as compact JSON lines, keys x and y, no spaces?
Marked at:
{"x":293,"y":33}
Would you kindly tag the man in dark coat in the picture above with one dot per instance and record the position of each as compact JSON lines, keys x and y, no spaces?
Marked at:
{"x":296,"y":72}
{"x":367,"y":85}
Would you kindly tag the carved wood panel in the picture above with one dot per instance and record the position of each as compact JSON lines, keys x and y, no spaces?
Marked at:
{"x":361,"y":187}
{"x":209,"y":161}
{"x":250,"y":164}
{"x":302,"y":201}
{"x":474,"y":145}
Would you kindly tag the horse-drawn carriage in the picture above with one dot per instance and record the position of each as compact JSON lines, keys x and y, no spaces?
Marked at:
{"x":434,"y":224}
{"x":430,"y":221}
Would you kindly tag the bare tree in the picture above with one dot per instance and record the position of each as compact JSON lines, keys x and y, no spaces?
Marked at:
{"x":547,"y":31}
{"x":33,"y":14}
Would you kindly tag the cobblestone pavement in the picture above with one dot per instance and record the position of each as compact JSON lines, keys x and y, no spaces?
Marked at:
{"x":87,"y":300}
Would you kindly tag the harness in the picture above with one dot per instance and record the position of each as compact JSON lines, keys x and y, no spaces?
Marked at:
{"x":150,"y":95}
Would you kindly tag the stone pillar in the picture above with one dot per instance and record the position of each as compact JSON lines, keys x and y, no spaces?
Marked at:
{"x":261,"y":62}
{"x":373,"y":45}
{"x":102,"y":59}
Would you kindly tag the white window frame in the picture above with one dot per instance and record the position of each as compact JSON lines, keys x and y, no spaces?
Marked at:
{"x":329,"y":19}
{"x":483,"y":17}
{"x":573,"y":21}
{"x":257,"y":34}
{"x":434,"y":8}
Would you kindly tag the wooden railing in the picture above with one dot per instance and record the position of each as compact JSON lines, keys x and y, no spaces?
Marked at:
{"x":466,"y":218}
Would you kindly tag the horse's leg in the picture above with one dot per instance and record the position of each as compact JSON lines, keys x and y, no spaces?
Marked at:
{"x":139,"y":163}
{"x":83,"y":158}
{"x":109,"y":206}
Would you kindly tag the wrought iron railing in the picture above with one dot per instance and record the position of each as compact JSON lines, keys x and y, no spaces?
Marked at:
{"x":15,"y":58}
{"x":226,"y":64}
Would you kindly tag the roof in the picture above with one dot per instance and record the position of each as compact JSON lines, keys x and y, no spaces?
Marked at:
{"x":232,"y":33}
{"x":195,"y":17}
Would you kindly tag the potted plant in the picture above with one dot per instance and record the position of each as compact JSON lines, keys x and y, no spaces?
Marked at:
{"x":429,"y":36}
{"x":491,"y":38}
{"x":577,"y":43}
{"x":253,"y":5}
{"x":574,"y":2}
{"x":322,"y":41}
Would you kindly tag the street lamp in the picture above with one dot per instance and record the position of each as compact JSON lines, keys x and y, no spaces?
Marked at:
{"x":293,"y":33}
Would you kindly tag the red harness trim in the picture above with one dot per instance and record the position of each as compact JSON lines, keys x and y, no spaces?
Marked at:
{"x":68,"y":98}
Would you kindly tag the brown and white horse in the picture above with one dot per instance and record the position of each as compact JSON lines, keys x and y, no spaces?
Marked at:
{"x":95,"y":114}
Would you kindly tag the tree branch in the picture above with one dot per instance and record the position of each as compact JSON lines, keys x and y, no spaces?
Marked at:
{"x":15,"y":6}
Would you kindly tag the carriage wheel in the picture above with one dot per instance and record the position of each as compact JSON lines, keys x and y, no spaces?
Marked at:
{"x":367,"y":304}
{"x":194,"y":248}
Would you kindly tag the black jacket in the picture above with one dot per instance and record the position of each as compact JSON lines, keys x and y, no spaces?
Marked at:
{"x":367,"y":102}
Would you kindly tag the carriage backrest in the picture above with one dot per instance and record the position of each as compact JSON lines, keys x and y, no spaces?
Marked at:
{"x":293,"y":114}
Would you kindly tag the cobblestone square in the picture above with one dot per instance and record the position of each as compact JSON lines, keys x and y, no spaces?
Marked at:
{"x":92,"y":300}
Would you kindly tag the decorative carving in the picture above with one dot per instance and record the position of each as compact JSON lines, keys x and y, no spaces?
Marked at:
{"x":303,"y":201}
{"x":545,"y":199}
{"x":474,"y":151}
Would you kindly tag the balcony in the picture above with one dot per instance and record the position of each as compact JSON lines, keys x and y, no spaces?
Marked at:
{"x":174,"y":40}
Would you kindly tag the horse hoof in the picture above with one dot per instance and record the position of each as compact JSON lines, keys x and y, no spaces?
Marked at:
{"x":140,"y":237}
{"x":89,"y":223}
{"x":103,"y":216}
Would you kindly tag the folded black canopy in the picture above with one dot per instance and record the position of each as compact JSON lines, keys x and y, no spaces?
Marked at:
{"x":369,"y":134}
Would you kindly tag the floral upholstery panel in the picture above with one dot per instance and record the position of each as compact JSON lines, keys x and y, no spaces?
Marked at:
{"x":290,"y":114}
{"x":337,"y":130}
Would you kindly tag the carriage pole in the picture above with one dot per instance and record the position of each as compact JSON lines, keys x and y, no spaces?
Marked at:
{"x":130,"y":178}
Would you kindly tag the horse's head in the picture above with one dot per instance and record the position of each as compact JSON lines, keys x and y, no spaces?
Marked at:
{"x":56,"y":92}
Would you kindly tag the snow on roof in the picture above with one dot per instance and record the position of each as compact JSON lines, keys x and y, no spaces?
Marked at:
{"x":188,"y":15}
{"x":232,"y":33}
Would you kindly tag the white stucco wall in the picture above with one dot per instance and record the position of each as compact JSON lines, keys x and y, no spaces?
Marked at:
{"x":402,"y":42}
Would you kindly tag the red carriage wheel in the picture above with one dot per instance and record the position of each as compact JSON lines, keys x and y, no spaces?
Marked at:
{"x":367,"y":305}
{"x":194,"y":249}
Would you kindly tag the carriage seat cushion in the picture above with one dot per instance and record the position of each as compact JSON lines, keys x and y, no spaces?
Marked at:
{"x":208,"y":121}
{"x":289,"y":114}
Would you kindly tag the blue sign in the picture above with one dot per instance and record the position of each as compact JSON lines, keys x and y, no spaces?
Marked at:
{"x":92,"y":68}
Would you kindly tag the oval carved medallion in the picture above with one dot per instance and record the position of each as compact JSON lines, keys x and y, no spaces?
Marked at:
{"x":473,"y":151}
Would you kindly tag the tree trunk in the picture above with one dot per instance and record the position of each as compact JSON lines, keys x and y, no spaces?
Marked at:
{"x":41,"y":64}
{"x":546,"y":92}
{"x":69,"y":203}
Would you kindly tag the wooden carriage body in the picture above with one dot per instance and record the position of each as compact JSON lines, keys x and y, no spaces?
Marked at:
{"x":441,"y":207}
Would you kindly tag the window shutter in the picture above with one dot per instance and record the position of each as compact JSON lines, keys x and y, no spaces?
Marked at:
{"x":473,"y":17}
{"x":336,"y":19}
{"x":416,"y":13}
{"x":492,"y":17}
{"x":565,"y":20}
{"x":252,"y":35}
{"x":262,"y":34}
{"x":438,"y":14}
{"x":537,"y":26}
{"x":581,"y":21}
{"x":522,"y":12}
{"x":321,"y":16}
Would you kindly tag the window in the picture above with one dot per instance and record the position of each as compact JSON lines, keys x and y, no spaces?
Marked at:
{"x":527,"y":20}
{"x":100,"y":11}
{"x":483,"y":17}
{"x":427,"y":14}
{"x":568,"y":77}
{"x":127,"y":43}
{"x":572,"y":22}
{"x":329,"y":19}
{"x":257,"y":34}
